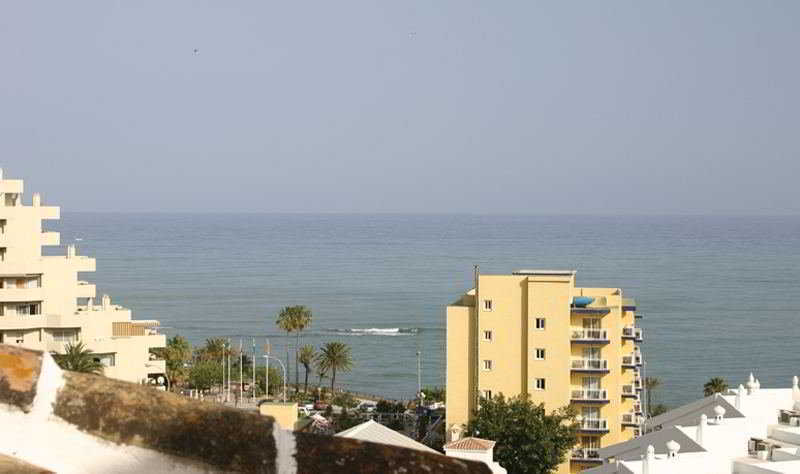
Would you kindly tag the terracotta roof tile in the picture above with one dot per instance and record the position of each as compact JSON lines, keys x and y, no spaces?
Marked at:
{"x":470,"y":444}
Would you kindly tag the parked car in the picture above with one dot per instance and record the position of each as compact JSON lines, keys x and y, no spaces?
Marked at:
{"x":367,"y":406}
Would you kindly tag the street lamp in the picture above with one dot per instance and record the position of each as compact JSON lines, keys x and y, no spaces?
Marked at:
{"x":268,"y":357}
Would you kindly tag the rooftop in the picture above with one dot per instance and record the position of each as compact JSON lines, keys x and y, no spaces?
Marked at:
{"x":743,"y":430}
{"x":545,"y":272}
{"x":470,"y":444}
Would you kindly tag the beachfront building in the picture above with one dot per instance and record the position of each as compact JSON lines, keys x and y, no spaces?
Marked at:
{"x":748,"y":430}
{"x":45,"y":306}
{"x":534,"y":332}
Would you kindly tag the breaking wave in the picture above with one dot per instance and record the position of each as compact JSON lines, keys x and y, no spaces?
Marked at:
{"x":376,"y":331}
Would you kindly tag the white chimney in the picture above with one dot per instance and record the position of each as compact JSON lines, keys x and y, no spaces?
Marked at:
{"x":751,"y":384}
{"x":649,"y":457}
{"x":70,"y":250}
{"x":701,"y":428}
{"x":720,"y":413}
{"x":37,"y":200}
{"x":758,"y":385}
{"x":672,"y":449}
{"x":1,"y":173}
{"x":90,"y":303}
{"x":795,"y":389}
{"x":739,"y":395}
{"x":106,"y":302}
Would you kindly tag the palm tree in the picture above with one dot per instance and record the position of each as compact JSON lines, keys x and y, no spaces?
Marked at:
{"x":307,"y":358}
{"x":213,"y":350}
{"x":286,"y":320}
{"x":302,"y":320}
{"x":650,"y":384}
{"x":333,"y":357}
{"x":176,"y":354}
{"x":715,"y":385}
{"x":77,"y":358}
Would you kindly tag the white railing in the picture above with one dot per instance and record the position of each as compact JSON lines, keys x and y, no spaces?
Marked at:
{"x":585,"y":453}
{"x":631,"y":419}
{"x":590,"y":394}
{"x":632,"y":360}
{"x":580,"y":334}
{"x":632,"y":331}
{"x":590,"y":364}
{"x":594,"y":424}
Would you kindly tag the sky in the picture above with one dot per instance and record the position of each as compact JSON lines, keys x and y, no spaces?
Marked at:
{"x":617,"y":107}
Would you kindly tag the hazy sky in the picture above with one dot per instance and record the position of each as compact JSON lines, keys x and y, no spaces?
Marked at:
{"x":404,"y":106}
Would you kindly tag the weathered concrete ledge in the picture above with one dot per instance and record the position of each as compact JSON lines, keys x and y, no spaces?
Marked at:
{"x":134,"y":428}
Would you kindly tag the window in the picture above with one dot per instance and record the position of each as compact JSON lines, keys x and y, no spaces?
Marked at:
{"x":540,"y":384}
{"x":487,"y":305}
{"x":539,"y":354}
{"x":487,"y":335}
{"x":487,"y":394}
{"x":14,"y":337}
{"x":28,"y":308}
{"x":487,"y":365}
{"x":540,"y":323}
{"x":108,"y":360}
{"x":65,"y":335}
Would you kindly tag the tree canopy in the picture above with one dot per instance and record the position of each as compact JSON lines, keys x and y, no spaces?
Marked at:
{"x":334,"y":357}
{"x":715,"y":385}
{"x":529,"y":441}
{"x":78,"y":358}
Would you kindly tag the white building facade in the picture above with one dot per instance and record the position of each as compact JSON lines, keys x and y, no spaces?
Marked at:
{"x":748,"y":430}
{"x":45,"y":306}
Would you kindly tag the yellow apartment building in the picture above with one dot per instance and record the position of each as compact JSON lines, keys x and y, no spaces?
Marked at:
{"x":45,"y":306}
{"x":534,"y":332}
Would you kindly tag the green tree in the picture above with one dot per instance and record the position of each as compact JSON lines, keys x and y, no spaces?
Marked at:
{"x":214,"y":349}
{"x":176,"y":355}
{"x":345,"y":400}
{"x":335,"y":357}
{"x":289,"y":320}
{"x":529,"y":441}
{"x":658,"y":409}
{"x":307,"y":354}
{"x":77,"y":358}
{"x":205,"y":374}
{"x":275,"y":379}
{"x":302,"y":321}
{"x":650,"y":386}
{"x":434,"y":394}
{"x":345,"y":420}
{"x":715,"y":385}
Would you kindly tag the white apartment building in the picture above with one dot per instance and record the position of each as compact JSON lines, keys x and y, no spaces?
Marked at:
{"x":748,"y":430}
{"x":44,"y":305}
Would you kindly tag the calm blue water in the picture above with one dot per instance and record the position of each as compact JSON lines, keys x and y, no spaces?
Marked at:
{"x":717,"y":293}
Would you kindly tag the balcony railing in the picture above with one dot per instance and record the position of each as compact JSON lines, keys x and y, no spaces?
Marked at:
{"x":589,"y":335}
{"x":631,"y":419}
{"x":598,"y":365}
{"x":590,"y":395}
{"x":632,"y":360}
{"x":637,"y":408}
{"x":585,"y":454}
{"x":593,"y":424}
{"x":631,"y":332}
{"x":629,"y":390}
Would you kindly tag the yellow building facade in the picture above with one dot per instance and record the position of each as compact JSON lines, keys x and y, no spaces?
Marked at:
{"x":534,"y":332}
{"x":45,"y":306}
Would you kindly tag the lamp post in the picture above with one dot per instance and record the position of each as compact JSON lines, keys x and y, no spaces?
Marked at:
{"x":268,"y":357}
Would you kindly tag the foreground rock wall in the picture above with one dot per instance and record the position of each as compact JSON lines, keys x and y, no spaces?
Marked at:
{"x":69,"y":422}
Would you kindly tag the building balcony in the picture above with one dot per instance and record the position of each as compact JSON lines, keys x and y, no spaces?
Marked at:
{"x":593,"y":425}
{"x":21,"y":295}
{"x":629,"y":391}
{"x":11,"y":186}
{"x":589,"y":396}
{"x":632,"y":361}
{"x":86,"y":290}
{"x":637,"y":407}
{"x":589,"y":336}
{"x":585,"y":455}
{"x":589,"y":365}
{"x":631,"y":419}
{"x":51,"y":238}
{"x":633,"y":333}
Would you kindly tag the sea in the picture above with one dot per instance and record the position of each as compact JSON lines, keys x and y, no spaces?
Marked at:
{"x":718,"y":295}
